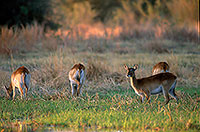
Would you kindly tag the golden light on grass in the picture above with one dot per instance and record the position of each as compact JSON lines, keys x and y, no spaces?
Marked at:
{"x":86,"y":31}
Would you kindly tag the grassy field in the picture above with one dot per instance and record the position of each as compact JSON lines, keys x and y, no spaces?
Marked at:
{"x":108,"y":102}
{"x":103,"y":36}
{"x":115,"y":110}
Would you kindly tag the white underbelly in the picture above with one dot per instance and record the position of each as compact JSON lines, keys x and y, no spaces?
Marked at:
{"x":157,"y":90}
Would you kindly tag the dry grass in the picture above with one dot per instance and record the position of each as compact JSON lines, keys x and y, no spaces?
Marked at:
{"x":181,"y":34}
{"x":8,"y":39}
{"x":50,"y":56}
{"x":155,"y":46}
{"x":22,"y":40}
{"x":104,"y":71}
{"x":96,"y":70}
{"x":17,"y":40}
{"x":159,"y":40}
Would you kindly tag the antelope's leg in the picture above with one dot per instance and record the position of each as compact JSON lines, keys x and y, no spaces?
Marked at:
{"x":79,"y":89}
{"x":13,"y":92}
{"x":172,"y":91}
{"x":72,"y":89}
{"x":142,"y":98}
{"x":26,"y":89}
{"x":166,"y":95}
{"x":148,"y":97}
{"x":165,"y":89}
{"x":27,"y":82}
{"x":22,"y":92}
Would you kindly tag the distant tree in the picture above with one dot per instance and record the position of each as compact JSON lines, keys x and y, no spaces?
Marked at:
{"x":104,"y":8}
{"x":22,"y":12}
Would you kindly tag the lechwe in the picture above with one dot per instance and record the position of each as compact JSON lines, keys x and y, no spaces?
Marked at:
{"x":160,"y":67}
{"x":20,"y":79}
{"x":144,"y":87}
{"x":77,"y":78}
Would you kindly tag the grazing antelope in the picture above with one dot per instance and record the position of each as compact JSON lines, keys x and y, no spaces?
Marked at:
{"x":160,"y":67}
{"x":160,"y":83}
{"x":20,"y":79}
{"x":77,"y":78}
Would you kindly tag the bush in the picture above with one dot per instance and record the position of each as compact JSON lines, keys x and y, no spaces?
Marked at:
{"x":22,"y":12}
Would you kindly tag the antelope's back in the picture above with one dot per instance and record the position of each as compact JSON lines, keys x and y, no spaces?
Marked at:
{"x":160,"y":67}
{"x":74,"y":72}
{"x":78,"y":66}
{"x":20,"y":75}
{"x":158,"y":78}
{"x":21,"y":70}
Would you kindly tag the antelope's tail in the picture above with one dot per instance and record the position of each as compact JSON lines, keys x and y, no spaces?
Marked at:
{"x":26,"y":80}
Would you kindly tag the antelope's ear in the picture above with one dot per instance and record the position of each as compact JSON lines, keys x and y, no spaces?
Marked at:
{"x":6,"y":88}
{"x":135,"y":66}
{"x":125,"y":66}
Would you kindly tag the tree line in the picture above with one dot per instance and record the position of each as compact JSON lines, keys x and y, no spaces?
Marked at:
{"x":23,"y":12}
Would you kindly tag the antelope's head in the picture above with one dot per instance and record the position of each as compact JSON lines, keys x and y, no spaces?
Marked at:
{"x":9,"y":91}
{"x":131,"y":70}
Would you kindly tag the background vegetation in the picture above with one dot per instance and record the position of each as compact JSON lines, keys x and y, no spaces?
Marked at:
{"x":48,"y":37}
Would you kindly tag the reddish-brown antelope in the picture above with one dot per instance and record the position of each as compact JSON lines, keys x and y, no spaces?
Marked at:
{"x":160,"y":67}
{"x":76,"y":78}
{"x":20,"y":79}
{"x":160,"y":83}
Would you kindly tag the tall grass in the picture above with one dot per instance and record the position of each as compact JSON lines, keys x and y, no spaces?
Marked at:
{"x":25,"y":39}
{"x":16,"y":40}
{"x":104,"y":71}
{"x":99,"y":39}
{"x":104,"y":57}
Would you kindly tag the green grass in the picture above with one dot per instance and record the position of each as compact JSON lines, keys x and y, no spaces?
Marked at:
{"x":118,"y":110}
{"x":108,"y":102}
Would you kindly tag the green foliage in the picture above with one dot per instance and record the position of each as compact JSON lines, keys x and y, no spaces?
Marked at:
{"x":69,"y":13}
{"x":104,"y":8}
{"x":184,"y":11}
{"x":75,"y":13}
{"x":115,"y":111}
{"x":23,"y":12}
{"x":143,"y":10}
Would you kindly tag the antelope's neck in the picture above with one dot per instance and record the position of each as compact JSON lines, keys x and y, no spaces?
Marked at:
{"x":133,"y":83}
